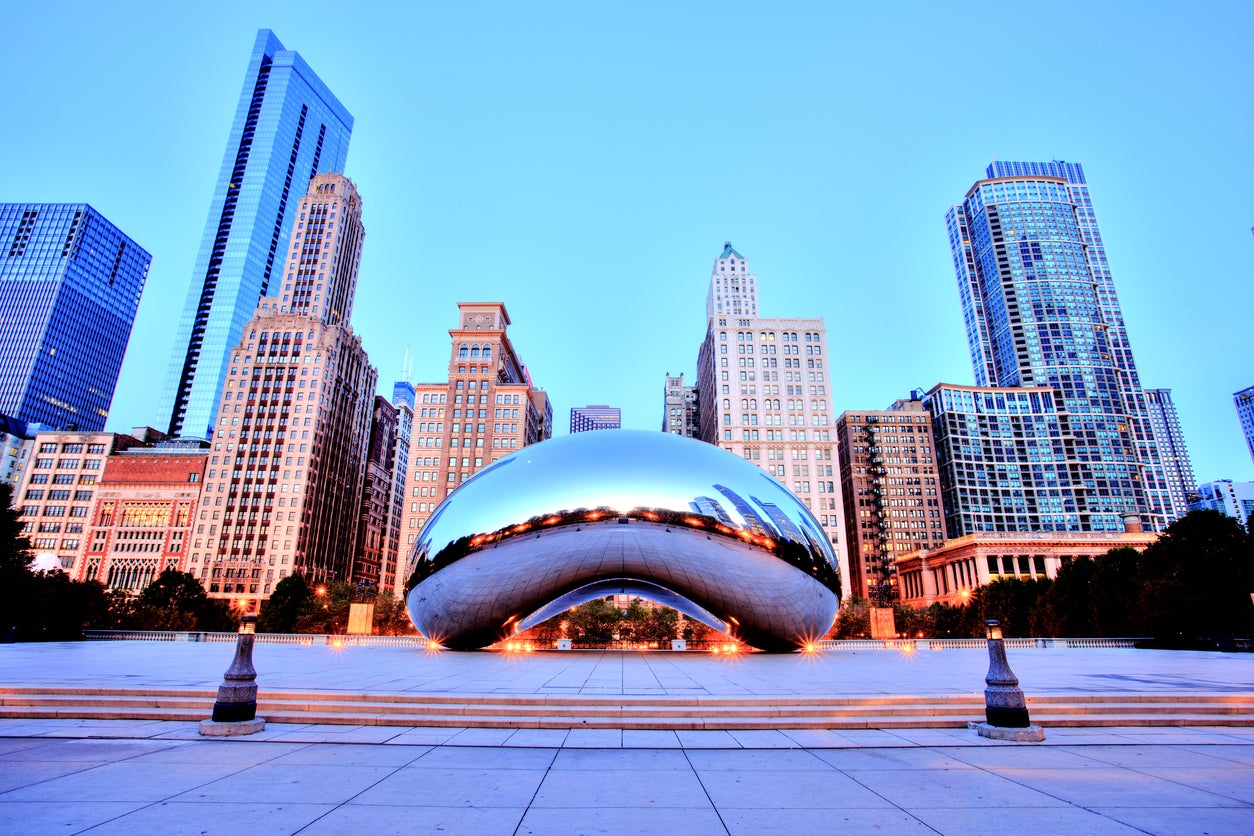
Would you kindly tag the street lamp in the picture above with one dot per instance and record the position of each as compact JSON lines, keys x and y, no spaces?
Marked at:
{"x":235,"y":711}
{"x":1005,"y":709}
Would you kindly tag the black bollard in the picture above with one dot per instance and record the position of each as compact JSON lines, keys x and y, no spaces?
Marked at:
{"x":1005,"y":708}
{"x":235,"y":711}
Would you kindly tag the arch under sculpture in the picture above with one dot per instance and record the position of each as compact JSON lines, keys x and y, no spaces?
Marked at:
{"x":578,"y":517}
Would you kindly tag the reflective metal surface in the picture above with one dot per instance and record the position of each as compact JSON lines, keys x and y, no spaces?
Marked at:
{"x":580,"y":516}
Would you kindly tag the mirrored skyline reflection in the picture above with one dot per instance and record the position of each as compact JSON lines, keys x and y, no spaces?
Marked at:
{"x":620,"y":471}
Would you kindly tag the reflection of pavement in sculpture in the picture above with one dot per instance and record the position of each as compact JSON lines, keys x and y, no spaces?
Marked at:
{"x":586,"y":515}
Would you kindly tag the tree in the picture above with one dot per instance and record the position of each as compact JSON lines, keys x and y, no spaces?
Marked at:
{"x":1011,"y":601}
{"x":176,"y":601}
{"x":1197,"y":581}
{"x":290,"y":599}
{"x":391,"y":617}
{"x":593,"y":622}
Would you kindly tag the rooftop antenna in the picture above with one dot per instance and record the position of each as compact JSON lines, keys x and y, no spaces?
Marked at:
{"x":407,"y":366}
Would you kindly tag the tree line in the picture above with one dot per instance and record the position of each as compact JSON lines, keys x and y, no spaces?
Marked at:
{"x":1190,"y":588}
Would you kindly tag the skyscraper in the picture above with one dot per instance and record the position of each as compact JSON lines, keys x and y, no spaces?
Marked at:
{"x":288,"y":463}
{"x":680,"y":412}
{"x":288,"y":127}
{"x":733,"y":289}
{"x":70,"y":282}
{"x":1041,"y":311}
{"x":1244,"y":401}
{"x":488,"y":409}
{"x":595,"y":417}
{"x":1177,"y":468}
{"x":787,"y":430}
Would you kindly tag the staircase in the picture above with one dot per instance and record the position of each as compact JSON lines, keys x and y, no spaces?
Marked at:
{"x":627,"y":712}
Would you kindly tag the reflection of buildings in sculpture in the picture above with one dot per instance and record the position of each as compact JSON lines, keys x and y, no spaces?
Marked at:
{"x":763,"y":393}
{"x":711,"y":508}
{"x":487,"y":409}
{"x":593,"y":514}
{"x":145,"y":507}
{"x":950,"y":573}
{"x":783,"y":525}
{"x":753,"y":520}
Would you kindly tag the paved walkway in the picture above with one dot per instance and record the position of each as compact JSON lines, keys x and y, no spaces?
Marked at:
{"x":74,"y":776}
{"x":411,"y":670}
{"x":55,"y":777}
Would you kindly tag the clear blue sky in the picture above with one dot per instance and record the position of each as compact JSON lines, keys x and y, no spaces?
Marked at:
{"x":584,"y":162}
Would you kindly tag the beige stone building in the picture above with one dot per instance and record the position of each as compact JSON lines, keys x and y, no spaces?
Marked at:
{"x":764,"y":393}
{"x":285,"y":473}
{"x":950,"y":573}
{"x":57,"y":490}
{"x":487,"y":409}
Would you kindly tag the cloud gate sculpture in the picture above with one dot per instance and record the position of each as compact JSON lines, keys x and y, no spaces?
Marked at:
{"x":678,"y":521}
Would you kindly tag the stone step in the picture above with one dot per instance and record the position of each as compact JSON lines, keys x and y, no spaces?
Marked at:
{"x":633,"y":712}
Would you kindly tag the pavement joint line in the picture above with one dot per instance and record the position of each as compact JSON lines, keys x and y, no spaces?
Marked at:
{"x":701,"y":782}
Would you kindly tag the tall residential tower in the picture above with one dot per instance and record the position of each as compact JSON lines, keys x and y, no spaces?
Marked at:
{"x":1040,"y":309}
{"x":1244,"y":401}
{"x":288,"y":127}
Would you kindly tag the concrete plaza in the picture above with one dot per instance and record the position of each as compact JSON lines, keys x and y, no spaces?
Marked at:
{"x":118,"y":776}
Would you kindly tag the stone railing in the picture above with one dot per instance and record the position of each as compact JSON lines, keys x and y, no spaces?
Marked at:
{"x":309,"y":640}
{"x":261,"y":638}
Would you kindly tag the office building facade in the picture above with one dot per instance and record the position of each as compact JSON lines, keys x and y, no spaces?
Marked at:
{"x":891,"y":490}
{"x":595,"y":417}
{"x":681,"y":413}
{"x":733,"y":289}
{"x":1236,"y":499}
{"x":487,"y":409}
{"x":762,"y":385}
{"x":70,"y":283}
{"x":1172,"y":452}
{"x":1040,"y":310}
{"x":1244,"y":402}
{"x":144,"y":513}
{"x":55,"y":497}
{"x":288,"y":127}
{"x":288,"y":459}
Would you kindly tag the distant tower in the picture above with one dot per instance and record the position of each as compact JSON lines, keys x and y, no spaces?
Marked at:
{"x":1041,"y":310}
{"x":288,"y":127}
{"x":733,"y":289}
{"x":69,"y":285}
{"x":1244,"y":401}
{"x":680,"y":411}
{"x":595,"y":417}
{"x":1165,"y":423}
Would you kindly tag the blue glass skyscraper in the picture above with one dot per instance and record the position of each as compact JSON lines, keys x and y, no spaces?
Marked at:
{"x":288,"y":127}
{"x":1040,"y":310}
{"x":69,"y":285}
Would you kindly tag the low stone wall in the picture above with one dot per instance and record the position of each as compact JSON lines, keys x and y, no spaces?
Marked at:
{"x":900,"y":645}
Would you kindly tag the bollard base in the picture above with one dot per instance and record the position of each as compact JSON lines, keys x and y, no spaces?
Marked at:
{"x":211,"y":728}
{"x":1031,"y":734}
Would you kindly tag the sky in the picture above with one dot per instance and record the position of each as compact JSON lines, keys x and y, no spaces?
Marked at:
{"x":584,"y":162}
